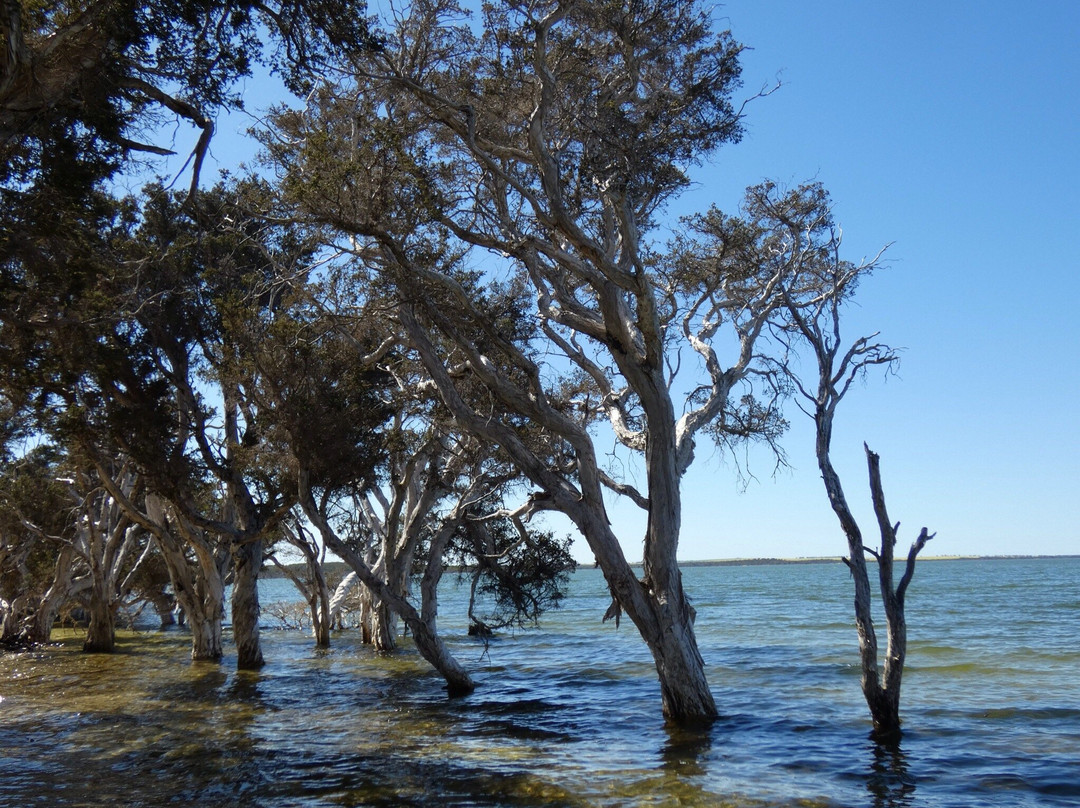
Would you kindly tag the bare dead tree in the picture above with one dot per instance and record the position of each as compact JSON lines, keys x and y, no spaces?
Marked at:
{"x":838,"y":365}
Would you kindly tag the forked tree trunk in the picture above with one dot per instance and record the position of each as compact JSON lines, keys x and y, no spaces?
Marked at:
{"x":880,"y":686}
{"x":247,"y":560}
{"x":422,"y":626}
{"x":202,"y":609}
{"x":382,"y":626}
{"x":684,"y":691}
{"x":312,"y":588}
{"x":887,"y":710}
{"x":320,"y":626}
{"x":199,"y":590}
{"x":381,"y":621}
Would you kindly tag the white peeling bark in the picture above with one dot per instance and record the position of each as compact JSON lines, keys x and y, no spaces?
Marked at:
{"x":199,"y":588}
{"x":425,"y":635}
{"x":341,"y":593}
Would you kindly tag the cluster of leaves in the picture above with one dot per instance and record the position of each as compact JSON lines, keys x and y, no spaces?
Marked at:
{"x":516,"y":573}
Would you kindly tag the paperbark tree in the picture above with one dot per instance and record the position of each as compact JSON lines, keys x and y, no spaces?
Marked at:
{"x":225,"y":259}
{"x":174,"y":393}
{"x":547,"y":144}
{"x":421,"y":622}
{"x":394,"y":521}
{"x":99,"y":552}
{"x":198,"y":565}
{"x":346,"y":587}
{"x":105,"y":539}
{"x":838,"y":364}
{"x":384,"y":475}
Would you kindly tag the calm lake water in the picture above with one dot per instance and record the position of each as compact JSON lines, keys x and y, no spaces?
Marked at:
{"x":569,"y":715}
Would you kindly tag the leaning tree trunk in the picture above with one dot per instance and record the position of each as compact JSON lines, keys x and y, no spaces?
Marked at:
{"x":341,"y":594}
{"x":684,"y":690}
{"x":662,"y":615}
{"x":425,"y":634}
{"x":247,"y":560}
{"x":40,"y":627}
{"x":428,"y":642}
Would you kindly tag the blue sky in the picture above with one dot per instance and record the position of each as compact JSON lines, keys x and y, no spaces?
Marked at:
{"x":950,"y":131}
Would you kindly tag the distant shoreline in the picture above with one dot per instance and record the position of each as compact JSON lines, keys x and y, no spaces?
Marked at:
{"x":764,"y":562}
{"x":340,"y":568}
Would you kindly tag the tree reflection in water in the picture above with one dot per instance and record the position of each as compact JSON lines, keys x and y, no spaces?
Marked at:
{"x":889,"y":782}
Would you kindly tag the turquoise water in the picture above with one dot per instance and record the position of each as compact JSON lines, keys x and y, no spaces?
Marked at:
{"x":569,"y":715}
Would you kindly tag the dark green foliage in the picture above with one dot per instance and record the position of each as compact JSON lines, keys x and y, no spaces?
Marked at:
{"x":80,"y":85}
{"x":517,"y":573}
{"x":319,"y":404}
{"x":31,"y":492}
{"x":81,"y":82}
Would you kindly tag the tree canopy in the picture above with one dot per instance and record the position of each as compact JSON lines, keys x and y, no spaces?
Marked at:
{"x":459,"y":287}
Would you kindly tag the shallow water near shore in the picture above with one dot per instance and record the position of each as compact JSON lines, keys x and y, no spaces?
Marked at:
{"x":569,"y":715}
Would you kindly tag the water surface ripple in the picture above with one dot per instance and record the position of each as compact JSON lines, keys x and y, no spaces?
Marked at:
{"x":568,"y":715}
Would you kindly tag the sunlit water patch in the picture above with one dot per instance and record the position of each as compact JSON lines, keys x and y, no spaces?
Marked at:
{"x":569,"y":715}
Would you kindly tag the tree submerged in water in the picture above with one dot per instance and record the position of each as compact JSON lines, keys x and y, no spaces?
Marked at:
{"x":817,"y":327}
{"x":534,"y":150}
{"x":494,"y":190}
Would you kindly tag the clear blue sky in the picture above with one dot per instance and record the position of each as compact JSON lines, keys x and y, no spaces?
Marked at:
{"x":949,"y":130}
